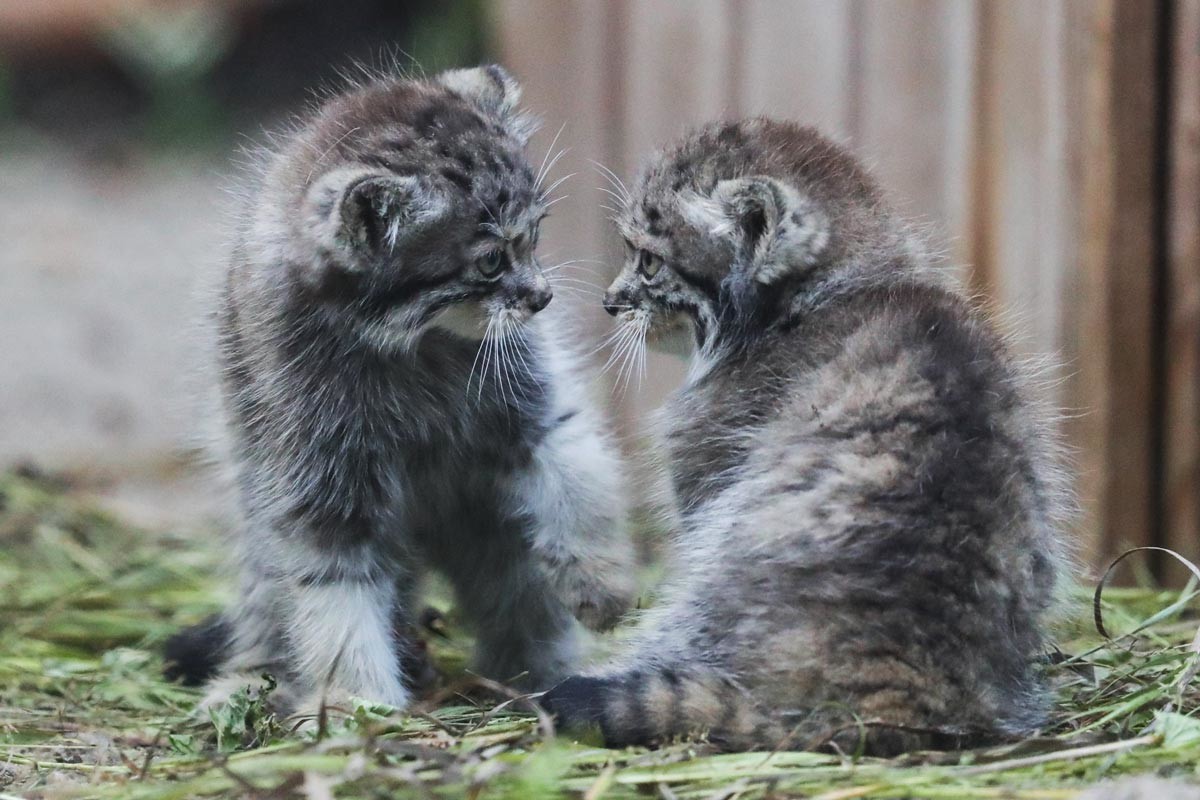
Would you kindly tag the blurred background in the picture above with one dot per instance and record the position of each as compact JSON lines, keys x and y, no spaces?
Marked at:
{"x":1053,"y":146}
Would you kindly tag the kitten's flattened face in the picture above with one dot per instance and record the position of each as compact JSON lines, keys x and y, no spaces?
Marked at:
{"x":424,"y":209}
{"x":501,"y":280}
{"x":723,"y":225}
{"x":670,"y":281}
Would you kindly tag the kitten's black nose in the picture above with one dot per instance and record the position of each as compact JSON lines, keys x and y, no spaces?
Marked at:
{"x":539,"y":299}
{"x":612,"y":303}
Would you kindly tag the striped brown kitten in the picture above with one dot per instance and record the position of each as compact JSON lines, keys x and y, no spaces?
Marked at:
{"x":396,"y":400}
{"x":869,"y":500}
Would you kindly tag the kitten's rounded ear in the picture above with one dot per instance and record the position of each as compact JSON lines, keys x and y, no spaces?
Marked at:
{"x":361,"y":213}
{"x":494,"y":91}
{"x":778,"y":227}
{"x":380,"y":213}
{"x":489,"y":87}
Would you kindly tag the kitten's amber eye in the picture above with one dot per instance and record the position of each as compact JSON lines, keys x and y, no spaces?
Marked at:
{"x":648,"y":264}
{"x":492,"y":264}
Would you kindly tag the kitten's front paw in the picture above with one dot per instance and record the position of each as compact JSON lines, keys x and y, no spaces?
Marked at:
{"x":332,"y":704}
{"x":220,"y":690}
{"x":335,"y":705}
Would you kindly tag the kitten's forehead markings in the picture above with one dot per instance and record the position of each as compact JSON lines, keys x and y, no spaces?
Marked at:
{"x":640,"y":240}
{"x":526,"y":222}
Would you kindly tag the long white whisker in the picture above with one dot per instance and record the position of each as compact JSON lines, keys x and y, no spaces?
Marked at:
{"x":499,"y":356}
{"x":498,"y":362}
{"x":550,"y":168}
{"x":615,"y":343}
{"x":615,"y":181}
{"x":577,"y":264}
{"x":625,"y":374}
{"x":471,"y":374}
{"x":578,"y":291}
{"x":618,"y":343}
{"x":621,"y":382}
{"x":519,"y":350}
{"x":489,"y":342}
{"x":553,"y":271}
{"x":491,"y":216}
{"x":567,"y":280}
{"x":515,"y":362}
{"x":642,"y":352}
{"x":541,"y":173}
{"x":494,"y":361}
{"x":608,"y":340}
{"x":621,"y":201}
{"x":550,"y":189}
{"x":506,"y":359}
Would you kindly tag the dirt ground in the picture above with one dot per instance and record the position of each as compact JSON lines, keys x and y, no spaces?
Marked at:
{"x":100,"y":264}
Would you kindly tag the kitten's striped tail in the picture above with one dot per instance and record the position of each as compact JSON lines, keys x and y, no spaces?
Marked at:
{"x":655,"y":704}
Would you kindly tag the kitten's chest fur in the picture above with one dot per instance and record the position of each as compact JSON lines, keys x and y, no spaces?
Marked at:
{"x":355,"y":436}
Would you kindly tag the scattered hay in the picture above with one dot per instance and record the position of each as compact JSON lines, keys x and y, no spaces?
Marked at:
{"x":86,"y":602}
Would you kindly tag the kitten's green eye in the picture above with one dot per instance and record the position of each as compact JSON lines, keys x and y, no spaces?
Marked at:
{"x":492,"y":264}
{"x":648,"y":264}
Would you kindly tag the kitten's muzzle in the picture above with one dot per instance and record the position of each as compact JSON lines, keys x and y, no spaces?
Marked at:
{"x":530,"y":290}
{"x":537,"y":299}
{"x":616,"y":301}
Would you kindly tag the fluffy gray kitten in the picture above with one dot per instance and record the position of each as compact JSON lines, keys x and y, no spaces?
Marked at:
{"x":869,"y":500}
{"x":393,"y":403}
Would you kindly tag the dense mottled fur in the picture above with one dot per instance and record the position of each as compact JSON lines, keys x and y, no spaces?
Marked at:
{"x":869,"y":500}
{"x":393,"y":403}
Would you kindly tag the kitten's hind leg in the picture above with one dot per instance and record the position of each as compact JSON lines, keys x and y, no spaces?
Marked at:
{"x":340,"y":631}
{"x":255,"y":645}
{"x":322,"y":624}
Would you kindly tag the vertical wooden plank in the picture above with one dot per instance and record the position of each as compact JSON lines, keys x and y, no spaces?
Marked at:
{"x":1181,"y":357}
{"x":915,"y":110}
{"x":1113,"y":46}
{"x":1023,"y":240}
{"x":679,"y":57}
{"x":797,"y":62}
{"x":567,"y":57}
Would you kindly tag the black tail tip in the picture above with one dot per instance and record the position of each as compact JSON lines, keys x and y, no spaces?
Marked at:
{"x":578,"y":701}
{"x":577,"y":704}
{"x":194,"y":655}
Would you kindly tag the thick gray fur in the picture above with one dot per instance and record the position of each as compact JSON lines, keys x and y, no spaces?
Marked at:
{"x":393,"y":404}
{"x":869,"y":495}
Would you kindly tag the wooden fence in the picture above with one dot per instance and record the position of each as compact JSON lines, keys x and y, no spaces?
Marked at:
{"x":1056,"y":143}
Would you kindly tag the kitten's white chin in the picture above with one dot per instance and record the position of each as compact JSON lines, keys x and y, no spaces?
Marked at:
{"x":468,"y":320}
